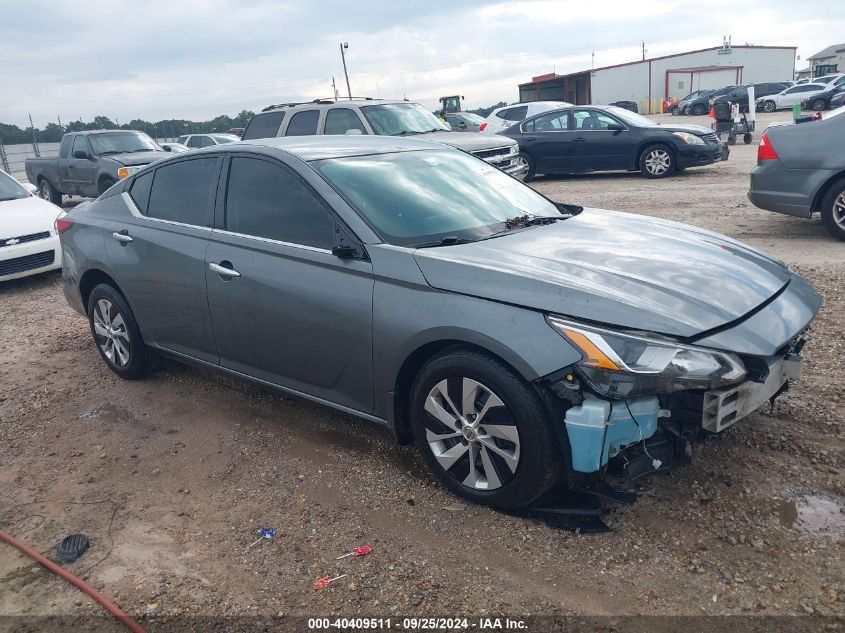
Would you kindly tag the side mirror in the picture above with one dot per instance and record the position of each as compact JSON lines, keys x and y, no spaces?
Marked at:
{"x":80,"y":154}
{"x":345,"y":251}
{"x":167,"y":148}
{"x":30,"y":188}
{"x":616,"y":127}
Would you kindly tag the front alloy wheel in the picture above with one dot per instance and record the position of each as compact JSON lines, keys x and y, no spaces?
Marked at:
{"x":483,"y":430}
{"x":474,"y":439}
{"x":657,"y":162}
{"x":769,"y":106}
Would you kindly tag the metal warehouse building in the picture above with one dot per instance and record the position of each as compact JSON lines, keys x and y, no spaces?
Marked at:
{"x":663,"y":77}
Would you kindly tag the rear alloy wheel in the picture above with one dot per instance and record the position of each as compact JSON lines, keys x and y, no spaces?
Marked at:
{"x":657,"y":161}
{"x":769,"y":106}
{"x":116,"y":334}
{"x":48,"y":192}
{"x":524,"y":159}
{"x":482,"y":430}
{"x":833,"y":210}
{"x":818,"y":104}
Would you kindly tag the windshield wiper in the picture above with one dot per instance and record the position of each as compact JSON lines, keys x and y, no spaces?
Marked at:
{"x":111,"y":151}
{"x":143,"y":149}
{"x":405,"y":132}
{"x":446,"y":241}
{"x":524,"y":221}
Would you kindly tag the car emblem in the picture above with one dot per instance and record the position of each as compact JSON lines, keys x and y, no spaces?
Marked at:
{"x":12,"y":241}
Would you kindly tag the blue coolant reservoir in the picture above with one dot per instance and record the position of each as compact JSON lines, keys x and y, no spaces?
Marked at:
{"x":599,"y":429}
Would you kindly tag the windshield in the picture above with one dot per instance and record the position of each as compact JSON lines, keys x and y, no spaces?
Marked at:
{"x":122,"y":142}
{"x":421,"y":197}
{"x":402,"y":118}
{"x":10,"y":189}
{"x":224,"y":138}
{"x":632,"y":118}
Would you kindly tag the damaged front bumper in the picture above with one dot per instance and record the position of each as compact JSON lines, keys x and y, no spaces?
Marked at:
{"x":635,"y":437}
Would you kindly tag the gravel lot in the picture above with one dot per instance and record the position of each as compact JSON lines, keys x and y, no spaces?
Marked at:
{"x":187,"y":465}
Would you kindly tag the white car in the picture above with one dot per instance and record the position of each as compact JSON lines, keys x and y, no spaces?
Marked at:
{"x":194,"y":141}
{"x":29,"y":243}
{"x":174,"y":148}
{"x":789,"y":97}
{"x":503,"y":118}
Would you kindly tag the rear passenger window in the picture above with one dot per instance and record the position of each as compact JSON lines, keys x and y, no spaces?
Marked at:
{"x":140,"y":191}
{"x":181,"y":192}
{"x":339,"y":120}
{"x":517,"y":114}
{"x":264,"y":125}
{"x":267,"y":200}
{"x":303,"y":123}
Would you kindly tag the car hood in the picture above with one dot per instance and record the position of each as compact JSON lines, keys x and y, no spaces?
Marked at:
{"x":616,"y":269}
{"x":26,"y":216}
{"x":469,"y":142}
{"x":139,"y":158}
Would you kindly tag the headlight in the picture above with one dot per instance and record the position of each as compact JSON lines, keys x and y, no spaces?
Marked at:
{"x":123,"y":172}
{"x":624,"y":365}
{"x":689,"y":139}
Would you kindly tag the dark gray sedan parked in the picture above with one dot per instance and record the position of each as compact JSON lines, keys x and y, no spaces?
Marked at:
{"x":801,"y":170}
{"x":518,"y":342}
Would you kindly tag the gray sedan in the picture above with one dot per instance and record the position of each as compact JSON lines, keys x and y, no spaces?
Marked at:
{"x":518,"y":342}
{"x":801,"y":170}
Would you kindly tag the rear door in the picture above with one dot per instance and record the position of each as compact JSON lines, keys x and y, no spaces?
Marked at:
{"x":547,"y":139}
{"x":158,"y":254}
{"x":595,"y":147}
{"x":284,"y":308}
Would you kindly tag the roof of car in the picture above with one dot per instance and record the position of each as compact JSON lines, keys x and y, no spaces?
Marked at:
{"x":362,"y":101}
{"x":318,"y":147}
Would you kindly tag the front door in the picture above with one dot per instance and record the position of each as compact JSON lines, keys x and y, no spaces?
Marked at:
{"x":283,"y":307}
{"x":158,"y":254}
{"x":595,"y":147}
{"x":81,"y":172}
{"x":546,"y":138}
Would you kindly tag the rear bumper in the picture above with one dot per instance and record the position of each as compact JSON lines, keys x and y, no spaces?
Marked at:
{"x":788,"y":191}
{"x":30,"y":258}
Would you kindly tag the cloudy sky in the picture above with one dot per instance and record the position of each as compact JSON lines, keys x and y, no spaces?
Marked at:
{"x":196,"y":59}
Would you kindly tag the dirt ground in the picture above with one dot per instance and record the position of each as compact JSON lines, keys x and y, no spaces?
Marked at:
{"x":172,"y":476}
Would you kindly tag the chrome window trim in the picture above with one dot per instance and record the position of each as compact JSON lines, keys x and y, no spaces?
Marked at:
{"x":268,"y":240}
{"x":136,"y":212}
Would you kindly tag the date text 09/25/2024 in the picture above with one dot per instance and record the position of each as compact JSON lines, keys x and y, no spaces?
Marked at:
{"x":418,"y":624}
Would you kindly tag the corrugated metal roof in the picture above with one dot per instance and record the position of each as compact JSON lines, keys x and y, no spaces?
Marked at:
{"x":830,"y":51}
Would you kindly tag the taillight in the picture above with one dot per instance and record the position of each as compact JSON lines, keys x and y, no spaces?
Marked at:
{"x":62,"y":225}
{"x":482,"y":127}
{"x":766,"y":151}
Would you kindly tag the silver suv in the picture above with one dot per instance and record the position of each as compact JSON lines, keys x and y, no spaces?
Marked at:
{"x":384,"y":118}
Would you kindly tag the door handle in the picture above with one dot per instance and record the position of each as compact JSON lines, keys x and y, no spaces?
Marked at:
{"x":223,"y":271}
{"x":122,"y":236}
{"x":530,"y":138}
{"x":579,"y":139}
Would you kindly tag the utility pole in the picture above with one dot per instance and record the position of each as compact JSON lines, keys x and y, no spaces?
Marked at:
{"x":593,"y":63}
{"x":644,"y":51}
{"x":334,"y":90}
{"x":345,"y":46}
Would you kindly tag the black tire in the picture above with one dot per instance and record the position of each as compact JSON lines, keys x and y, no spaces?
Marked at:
{"x":137,"y":362}
{"x":731,"y":139}
{"x":833,"y":210}
{"x":769,"y":106}
{"x":518,"y":472}
{"x":698,"y":109}
{"x":819,"y":104}
{"x":105,"y":184}
{"x":46,"y":191}
{"x":747,"y":138}
{"x":657,"y":161}
{"x":530,"y":174}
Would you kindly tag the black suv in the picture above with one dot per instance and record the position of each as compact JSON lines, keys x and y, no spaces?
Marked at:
{"x":385,"y":118}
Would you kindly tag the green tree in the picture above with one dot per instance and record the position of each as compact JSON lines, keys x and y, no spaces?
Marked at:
{"x":53,"y":133}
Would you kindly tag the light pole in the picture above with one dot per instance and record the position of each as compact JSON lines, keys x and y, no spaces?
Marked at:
{"x":344,"y":46}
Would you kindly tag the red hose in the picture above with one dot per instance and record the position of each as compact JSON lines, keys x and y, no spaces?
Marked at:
{"x":109,"y":606}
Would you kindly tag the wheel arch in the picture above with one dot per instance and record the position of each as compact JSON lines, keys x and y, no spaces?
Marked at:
{"x":646,"y":144}
{"x":400,"y":397}
{"x":823,"y":190}
{"x":92,"y":278}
